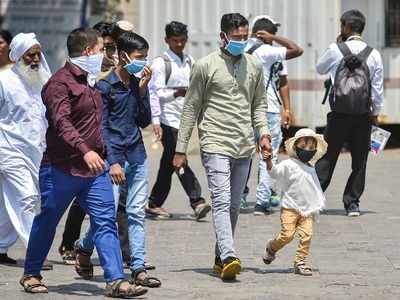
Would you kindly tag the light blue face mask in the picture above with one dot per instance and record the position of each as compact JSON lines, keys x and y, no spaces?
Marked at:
{"x":91,"y":64}
{"x":235,"y":47}
{"x":135,"y":66}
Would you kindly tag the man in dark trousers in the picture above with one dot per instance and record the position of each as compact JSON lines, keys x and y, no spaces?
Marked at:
{"x":171,"y":73}
{"x":352,"y":115}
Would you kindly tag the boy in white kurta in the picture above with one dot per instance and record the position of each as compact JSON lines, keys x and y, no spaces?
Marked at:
{"x":302,"y":196}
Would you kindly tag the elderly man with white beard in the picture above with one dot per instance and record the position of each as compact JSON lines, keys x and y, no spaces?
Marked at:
{"x":23,"y":128}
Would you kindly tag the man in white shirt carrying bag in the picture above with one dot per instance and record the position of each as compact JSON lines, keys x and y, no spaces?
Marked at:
{"x":356,"y":98}
{"x":171,"y":73}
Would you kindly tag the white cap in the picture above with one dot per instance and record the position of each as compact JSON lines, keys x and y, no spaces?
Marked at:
{"x":125,"y":25}
{"x":265,"y":17}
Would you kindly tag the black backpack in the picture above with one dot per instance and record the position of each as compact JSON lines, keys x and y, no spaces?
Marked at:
{"x":274,"y":71}
{"x":351,"y":91}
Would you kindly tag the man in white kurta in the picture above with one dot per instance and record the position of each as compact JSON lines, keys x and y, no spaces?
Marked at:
{"x":23,"y":128}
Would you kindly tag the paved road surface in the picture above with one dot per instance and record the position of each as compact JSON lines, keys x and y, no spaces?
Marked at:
{"x":352,"y":258}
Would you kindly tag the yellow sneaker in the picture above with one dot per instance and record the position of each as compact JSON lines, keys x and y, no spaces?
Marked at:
{"x":231,"y":268}
{"x":218,"y":265}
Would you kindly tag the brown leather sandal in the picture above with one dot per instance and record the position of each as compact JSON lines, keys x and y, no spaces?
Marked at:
{"x":33,"y":288}
{"x":113,"y":290}
{"x":148,"y":281}
{"x":85,"y":270}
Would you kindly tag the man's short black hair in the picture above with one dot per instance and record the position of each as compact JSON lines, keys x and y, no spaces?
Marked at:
{"x":104,"y":28}
{"x":265,"y":25}
{"x":230,"y":22}
{"x":130,"y":41}
{"x":81,"y":38}
{"x":355,"y":19}
{"x":6,"y":35}
{"x":175,"y":29}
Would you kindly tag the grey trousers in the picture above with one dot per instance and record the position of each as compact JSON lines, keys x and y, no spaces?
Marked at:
{"x":226,"y":180}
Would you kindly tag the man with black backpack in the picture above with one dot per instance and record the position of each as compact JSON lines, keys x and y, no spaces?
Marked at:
{"x":171,"y":73}
{"x":273,"y":59}
{"x":356,"y":98}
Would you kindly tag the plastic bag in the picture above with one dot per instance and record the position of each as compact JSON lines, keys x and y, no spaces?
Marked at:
{"x":379,"y":138}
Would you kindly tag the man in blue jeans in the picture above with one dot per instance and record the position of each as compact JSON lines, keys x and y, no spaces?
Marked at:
{"x":126,"y":109}
{"x":73,"y":166}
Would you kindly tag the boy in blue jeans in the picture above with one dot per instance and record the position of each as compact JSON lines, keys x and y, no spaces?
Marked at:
{"x":126,"y":109}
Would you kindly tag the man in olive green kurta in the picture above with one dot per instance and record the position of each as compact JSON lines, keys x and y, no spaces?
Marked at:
{"x":227,"y":97}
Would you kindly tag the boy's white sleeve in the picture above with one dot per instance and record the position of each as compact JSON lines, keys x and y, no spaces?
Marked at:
{"x":278,"y":171}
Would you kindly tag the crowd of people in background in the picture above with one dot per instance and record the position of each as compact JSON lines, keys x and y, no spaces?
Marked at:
{"x":75,"y":136}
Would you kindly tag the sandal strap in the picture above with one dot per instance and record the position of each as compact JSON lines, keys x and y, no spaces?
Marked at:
{"x":136,"y":273}
{"x":25,"y":277}
{"x":148,"y":279}
{"x":303,"y":266}
{"x":30,"y":287}
{"x":116,"y":288}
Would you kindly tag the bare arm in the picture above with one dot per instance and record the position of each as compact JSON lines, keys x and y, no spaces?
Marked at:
{"x":293,"y":50}
{"x":284,"y":92}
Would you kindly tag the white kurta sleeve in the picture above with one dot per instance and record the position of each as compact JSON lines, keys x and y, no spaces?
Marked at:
{"x":278,"y":171}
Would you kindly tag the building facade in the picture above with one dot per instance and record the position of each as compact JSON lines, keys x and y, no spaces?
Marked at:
{"x":313,"y":24}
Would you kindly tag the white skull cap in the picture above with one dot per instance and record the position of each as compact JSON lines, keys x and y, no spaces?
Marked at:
{"x":125,"y":25}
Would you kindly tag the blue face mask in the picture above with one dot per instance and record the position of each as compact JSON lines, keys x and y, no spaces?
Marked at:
{"x":135,"y":66}
{"x":236,"y":48}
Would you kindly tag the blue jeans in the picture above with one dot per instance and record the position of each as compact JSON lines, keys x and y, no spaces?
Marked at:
{"x":137,"y":193}
{"x":263,"y":192}
{"x":95,"y":196}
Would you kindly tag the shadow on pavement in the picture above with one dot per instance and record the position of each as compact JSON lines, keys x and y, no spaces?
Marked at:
{"x":342,"y":212}
{"x":177,"y":217}
{"x":206,"y":271}
{"x":77,"y":289}
{"x":272,"y":271}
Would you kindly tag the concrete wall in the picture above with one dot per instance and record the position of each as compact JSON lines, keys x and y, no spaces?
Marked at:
{"x":51,"y":20}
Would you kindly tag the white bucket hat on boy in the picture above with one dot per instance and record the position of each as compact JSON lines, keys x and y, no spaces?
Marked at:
{"x":306,"y":132}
